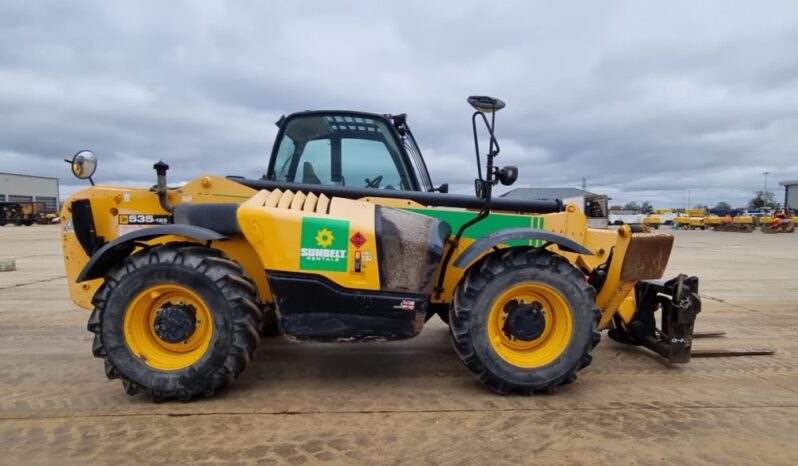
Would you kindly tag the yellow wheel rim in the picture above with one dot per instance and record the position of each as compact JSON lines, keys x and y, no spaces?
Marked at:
{"x":143,"y":340}
{"x":554,"y":337}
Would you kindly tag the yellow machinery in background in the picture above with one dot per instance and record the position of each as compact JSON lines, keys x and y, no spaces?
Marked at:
{"x":652,"y":221}
{"x":713,"y":221}
{"x":739,"y":224}
{"x":777,"y":224}
{"x":696,"y":223}
{"x":692,"y":219}
{"x":24,"y":213}
{"x":682,"y":222}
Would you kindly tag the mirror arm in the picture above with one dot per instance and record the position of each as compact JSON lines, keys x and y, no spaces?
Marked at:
{"x":494,"y":143}
{"x":494,"y":148}
{"x":486,"y":184}
{"x":453,"y":244}
{"x":476,"y":142}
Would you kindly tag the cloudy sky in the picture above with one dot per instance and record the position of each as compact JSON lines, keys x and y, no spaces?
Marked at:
{"x":646,"y":100}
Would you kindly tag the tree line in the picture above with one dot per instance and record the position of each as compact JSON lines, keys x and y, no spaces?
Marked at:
{"x":759,"y":201}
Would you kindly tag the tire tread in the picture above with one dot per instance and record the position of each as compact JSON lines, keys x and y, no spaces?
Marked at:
{"x":238,"y":289}
{"x":474,"y":282}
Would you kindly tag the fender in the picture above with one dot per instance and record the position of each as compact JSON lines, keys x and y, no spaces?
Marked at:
{"x":113,"y":252}
{"x":512,"y":234}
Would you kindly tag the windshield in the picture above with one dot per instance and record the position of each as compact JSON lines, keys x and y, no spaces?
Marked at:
{"x":341,"y":150}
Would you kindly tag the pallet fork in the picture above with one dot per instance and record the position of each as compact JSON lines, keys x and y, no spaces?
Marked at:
{"x":679,"y":304}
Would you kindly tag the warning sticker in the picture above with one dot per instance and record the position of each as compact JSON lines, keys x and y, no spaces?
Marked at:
{"x":358,"y":240}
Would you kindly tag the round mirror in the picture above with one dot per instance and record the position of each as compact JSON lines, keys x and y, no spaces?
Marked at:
{"x":508,"y":175}
{"x":84,"y":163}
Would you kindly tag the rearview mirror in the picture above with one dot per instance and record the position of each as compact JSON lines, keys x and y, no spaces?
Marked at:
{"x":84,"y":164}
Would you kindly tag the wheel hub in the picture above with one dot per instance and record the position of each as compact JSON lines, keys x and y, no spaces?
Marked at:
{"x":175,"y":322}
{"x":524,"y":321}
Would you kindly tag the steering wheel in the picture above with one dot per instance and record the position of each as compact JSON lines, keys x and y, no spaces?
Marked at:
{"x":375,"y":183}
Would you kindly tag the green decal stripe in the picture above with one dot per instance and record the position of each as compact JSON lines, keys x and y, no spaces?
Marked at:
{"x":537,"y":223}
{"x":456,"y":219}
{"x":494,"y":222}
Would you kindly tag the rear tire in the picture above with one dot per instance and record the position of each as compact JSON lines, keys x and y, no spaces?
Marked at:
{"x":217,"y":289}
{"x":525,"y":366}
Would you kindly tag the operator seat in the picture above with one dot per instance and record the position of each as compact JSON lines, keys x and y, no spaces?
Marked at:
{"x":309,"y":174}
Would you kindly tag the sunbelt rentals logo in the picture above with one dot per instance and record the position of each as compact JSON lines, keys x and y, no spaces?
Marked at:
{"x":324,"y":244}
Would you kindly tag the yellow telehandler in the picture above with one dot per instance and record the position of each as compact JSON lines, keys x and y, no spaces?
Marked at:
{"x":345,"y":238}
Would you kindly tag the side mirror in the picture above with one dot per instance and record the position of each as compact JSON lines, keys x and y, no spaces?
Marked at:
{"x":508,"y":175}
{"x":443,"y":189}
{"x":83,"y":164}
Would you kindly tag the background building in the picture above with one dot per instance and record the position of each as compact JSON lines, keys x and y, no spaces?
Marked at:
{"x":26,"y":188}
{"x":790,"y":194}
{"x":592,"y":205}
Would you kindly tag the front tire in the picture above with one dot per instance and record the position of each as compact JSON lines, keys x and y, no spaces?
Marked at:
{"x":524,"y":320}
{"x":175,"y":321}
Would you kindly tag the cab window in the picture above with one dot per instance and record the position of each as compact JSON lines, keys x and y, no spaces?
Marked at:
{"x":342,"y":150}
{"x":369,"y":162}
{"x":315,"y":167}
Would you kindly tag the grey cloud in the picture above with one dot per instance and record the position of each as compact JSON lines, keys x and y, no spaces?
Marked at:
{"x":646,"y":101}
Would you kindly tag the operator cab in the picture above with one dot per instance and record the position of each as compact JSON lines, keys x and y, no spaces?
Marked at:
{"x":348,"y":149}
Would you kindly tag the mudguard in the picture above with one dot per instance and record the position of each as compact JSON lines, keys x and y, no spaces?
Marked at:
{"x":121,"y":247}
{"x":513,"y":234}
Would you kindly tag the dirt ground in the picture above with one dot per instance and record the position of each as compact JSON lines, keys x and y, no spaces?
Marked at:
{"x":412,"y":402}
